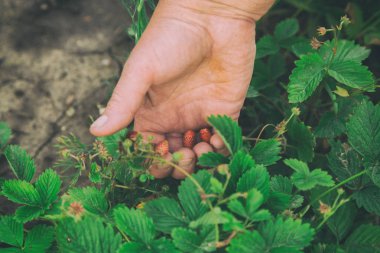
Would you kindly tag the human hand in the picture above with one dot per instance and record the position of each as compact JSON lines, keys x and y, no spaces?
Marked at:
{"x":194,"y":59}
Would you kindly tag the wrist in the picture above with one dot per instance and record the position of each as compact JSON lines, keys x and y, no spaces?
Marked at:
{"x":250,"y":10}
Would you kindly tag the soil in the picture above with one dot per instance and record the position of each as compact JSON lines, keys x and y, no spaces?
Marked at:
{"x":59,"y":60}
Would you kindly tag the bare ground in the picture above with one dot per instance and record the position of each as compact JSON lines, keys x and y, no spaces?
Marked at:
{"x":58,"y":61}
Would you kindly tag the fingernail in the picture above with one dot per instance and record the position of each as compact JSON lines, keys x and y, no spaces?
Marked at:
{"x":101,"y":121}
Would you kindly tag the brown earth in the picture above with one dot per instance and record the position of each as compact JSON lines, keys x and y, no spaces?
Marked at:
{"x":59,"y":60}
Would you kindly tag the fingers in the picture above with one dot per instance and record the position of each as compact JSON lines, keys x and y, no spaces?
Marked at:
{"x":217,"y":142}
{"x":175,"y":142}
{"x":161,"y":170}
{"x":126,"y":99}
{"x":202,"y":148}
{"x":187,"y":163}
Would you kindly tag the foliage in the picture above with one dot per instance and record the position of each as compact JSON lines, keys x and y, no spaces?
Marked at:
{"x":322,"y":197}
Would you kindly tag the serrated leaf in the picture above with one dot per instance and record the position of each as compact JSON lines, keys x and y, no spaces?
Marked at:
{"x":240,"y":163}
{"x":346,"y":51}
{"x":87,"y":235}
{"x":306,"y":77}
{"x":266,"y":45}
{"x":166,"y":214}
{"x":214,"y":217}
{"x":281,"y":184}
{"x":28,"y":213}
{"x":93,"y":200}
{"x":257,"y":177}
{"x":11,"y":231}
{"x":161,"y":245}
{"x":266,"y":152}
{"x":365,"y":239}
{"x":48,"y":185}
{"x":345,"y":162}
{"x":20,"y":162}
{"x":363,"y":130}
{"x":342,"y":220}
{"x":5,"y":134}
{"x":247,"y":243}
{"x":190,"y":197}
{"x":228,"y":130}
{"x":330,"y":125}
{"x":95,"y":176}
{"x":287,"y":235}
{"x":212,"y":159}
{"x":304,"y":179}
{"x":21,"y":192}
{"x":279,"y":201}
{"x":300,"y":137}
{"x":39,"y":239}
{"x":135,"y":224}
{"x":11,"y":250}
{"x":286,"y":29}
{"x":188,"y":240}
{"x":369,"y":199}
{"x":352,"y":74}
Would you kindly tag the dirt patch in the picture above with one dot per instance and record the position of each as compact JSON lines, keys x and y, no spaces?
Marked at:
{"x":58,"y":61}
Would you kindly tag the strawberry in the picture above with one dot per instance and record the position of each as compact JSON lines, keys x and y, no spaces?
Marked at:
{"x":205,"y":135}
{"x":189,"y":139}
{"x":132,"y":135}
{"x":162,"y":147}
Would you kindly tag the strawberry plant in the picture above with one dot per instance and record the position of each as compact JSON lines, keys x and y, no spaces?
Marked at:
{"x":306,"y":181}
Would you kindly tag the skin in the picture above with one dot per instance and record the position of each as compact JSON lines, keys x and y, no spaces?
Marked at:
{"x":194,"y":59}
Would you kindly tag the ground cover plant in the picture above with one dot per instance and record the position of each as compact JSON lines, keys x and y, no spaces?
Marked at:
{"x":303,"y":174}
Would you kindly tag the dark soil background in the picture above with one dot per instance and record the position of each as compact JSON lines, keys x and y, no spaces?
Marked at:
{"x":59,"y":60}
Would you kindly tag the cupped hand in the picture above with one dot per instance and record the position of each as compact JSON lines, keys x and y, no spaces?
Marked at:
{"x":192,"y":61}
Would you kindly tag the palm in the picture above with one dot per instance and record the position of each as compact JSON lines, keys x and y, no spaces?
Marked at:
{"x":197,"y":72}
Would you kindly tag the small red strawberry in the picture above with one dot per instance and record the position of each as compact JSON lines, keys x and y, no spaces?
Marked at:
{"x":132,"y":135}
{"x":162,"y":147}
{"x":205,"y":135}
{"x":189,"y":139}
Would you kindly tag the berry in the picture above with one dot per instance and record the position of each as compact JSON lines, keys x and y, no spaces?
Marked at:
{"x":189,"y":139}
{"x":162,"y":148}
{"x":205,"y":135}
{"x":132,"y":135}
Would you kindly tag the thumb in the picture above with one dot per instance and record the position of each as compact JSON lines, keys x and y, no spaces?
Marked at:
{"x":126,"y":99}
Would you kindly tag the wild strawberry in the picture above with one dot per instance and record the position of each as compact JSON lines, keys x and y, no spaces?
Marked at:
{"x":132,"y":135}
{"x":205,"y":135}
{"x":189,"y":139}
{"x":162,"y":148}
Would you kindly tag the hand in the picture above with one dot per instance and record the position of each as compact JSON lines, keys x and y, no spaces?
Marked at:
{"x":194,"y":59}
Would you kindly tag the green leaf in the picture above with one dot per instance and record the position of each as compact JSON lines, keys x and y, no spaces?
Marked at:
{"x":281,"y":184}
{"x":247,"y":243}
{"x":190,"y":197}
{"x":342,"y":220}
{"x":228,"y":130}
{"x":188,"y":240}
{"x":257,"y":177}
{"x":301,"y":138}
{"x":95,"y":176}
{"x":48,"y":185}
{"x":87,"y":235}
{"x":369,"y":199}
{"x":365,"y":239}
{"x":286,"y":235}
{"x":266,"y":45}
{"x":352,"y":74}
{"x":266,"y":152}
{"x":286,"y":29}
{"x":112,"y":142}
{"x":306,"y":77}
{"x":254,"y":200}
{"x":363,"y":130}
{"x":166,"y":214}
{"x":216,"y":186}
{"x":240,"y":163}
{"x":214,"y":217}
{"x":11,"y":231}
{"x":212,"y":159}
{"x":20,"y":162}
{"x":5,"y":134}
{"x":279,"y":201}
{"x":135,"y":224}
{"x":91,"y":198}
{"x":304,"y":179}
{"x":39,"y":239}
{"x":346,"y":51}
{"x":345,"y":162}
{"x":21,"y":192}
{"x":28,"y":213}
{"x":330,"y":125}
{"x":161,"y":245}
